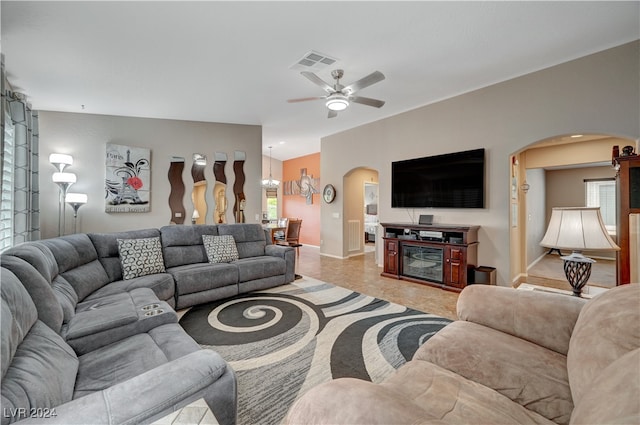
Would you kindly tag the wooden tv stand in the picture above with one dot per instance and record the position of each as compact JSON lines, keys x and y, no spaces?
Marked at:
{"x":438,"y":255}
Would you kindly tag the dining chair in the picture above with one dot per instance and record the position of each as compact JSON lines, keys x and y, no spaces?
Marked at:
{"x":292,"y":234}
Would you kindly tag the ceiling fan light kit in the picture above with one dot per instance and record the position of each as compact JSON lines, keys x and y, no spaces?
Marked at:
{"x":339,"y":97}
{"x":337,"y":102}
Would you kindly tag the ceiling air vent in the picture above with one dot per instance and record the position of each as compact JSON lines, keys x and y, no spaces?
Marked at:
{"x":313,"y":61}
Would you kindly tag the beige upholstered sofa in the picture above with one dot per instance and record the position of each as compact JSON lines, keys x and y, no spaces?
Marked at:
{"x":513,"y":357}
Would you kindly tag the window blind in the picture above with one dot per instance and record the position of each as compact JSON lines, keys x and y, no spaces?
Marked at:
{"x":6,"y":202}
{"x":602,"y":193}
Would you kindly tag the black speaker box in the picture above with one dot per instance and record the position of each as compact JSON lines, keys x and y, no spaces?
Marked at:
{"x":485,"y":275}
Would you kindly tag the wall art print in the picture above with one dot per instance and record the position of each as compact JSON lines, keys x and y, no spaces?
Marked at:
{"x":306,"y":187}
{"x":128,"y":179}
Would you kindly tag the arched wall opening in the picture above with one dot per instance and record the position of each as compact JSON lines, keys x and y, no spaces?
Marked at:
{"x":551,"y":173}
{"x":354,"y":209}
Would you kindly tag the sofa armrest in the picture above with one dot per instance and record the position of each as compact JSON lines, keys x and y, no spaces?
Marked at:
{"x":146,"y":397}
{"x":544,"y":318}
{"x":288,"y":254}
{"x":278,"y":250}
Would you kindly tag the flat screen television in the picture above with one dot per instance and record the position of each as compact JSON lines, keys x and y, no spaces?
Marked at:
{"x":454,"y":180}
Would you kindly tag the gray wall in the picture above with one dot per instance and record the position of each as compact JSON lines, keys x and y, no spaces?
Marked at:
{"x":595,"y":94}
{"x":84,"y":136}
{"x":565,"y":188}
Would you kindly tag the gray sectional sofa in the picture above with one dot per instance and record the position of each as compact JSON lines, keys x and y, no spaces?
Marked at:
{"x":87,"y":344}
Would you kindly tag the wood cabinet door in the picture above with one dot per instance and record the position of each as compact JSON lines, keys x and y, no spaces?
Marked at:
{"x":455,"y":261}
{"x":391,"y":257}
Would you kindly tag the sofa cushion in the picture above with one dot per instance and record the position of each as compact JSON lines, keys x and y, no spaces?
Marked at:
{"x":254,"y":268}
{"x":419,"y":392}
{"x":39,"y":256}
{"x":125,"y":359}
{"x":220,"y":249}
{"x":42,"y":373}
{"x":160,"y":283}
{"x":198,"y":277}
{"x":608,"y":328}
{"x":140,"y":257}
{"x":78,"y":265}
{"x":528,"y":374}
{"x":183,"y":244}
{"x":108,"y":319}
{"x":39,"y":289}
{"x":525,"y":314}
{"x":250,"y":238}
{"x":106,"y":246}
{"x":622,"y":405}
{"x":38,"y":367}
{"x":19,"y":314}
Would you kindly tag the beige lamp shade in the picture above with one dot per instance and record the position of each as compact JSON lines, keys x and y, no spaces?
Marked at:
{"x":578,"y":229}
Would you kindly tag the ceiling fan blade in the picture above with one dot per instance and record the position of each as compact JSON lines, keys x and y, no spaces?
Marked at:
{"x":367,"y":101}
{"x":317,"y":80}
{"x":370,"y":79}
{"x":304,"y":99}
{"x":332,"y":114}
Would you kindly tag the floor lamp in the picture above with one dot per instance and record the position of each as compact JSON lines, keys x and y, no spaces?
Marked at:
{"x":64,"y":181}
{"x":577,"y":229}
{"x":76,"y":200}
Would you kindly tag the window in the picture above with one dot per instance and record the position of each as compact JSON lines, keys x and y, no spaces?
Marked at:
{"x":6,"y":202}
{"x":602,"y":193}
{"x":272,"y":208}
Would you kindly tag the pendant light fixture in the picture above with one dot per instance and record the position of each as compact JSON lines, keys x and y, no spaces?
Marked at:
{"x":270,"y":185}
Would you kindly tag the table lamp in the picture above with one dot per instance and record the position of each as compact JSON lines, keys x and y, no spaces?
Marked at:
{"x":577,"y":229}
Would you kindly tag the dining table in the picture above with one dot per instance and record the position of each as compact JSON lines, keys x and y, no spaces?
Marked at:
{"x":274,"y":229}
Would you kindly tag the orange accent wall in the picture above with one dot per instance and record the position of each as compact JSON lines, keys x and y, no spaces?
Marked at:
{"x":295,"y":206}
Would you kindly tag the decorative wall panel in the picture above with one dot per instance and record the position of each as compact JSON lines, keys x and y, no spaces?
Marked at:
{"x":238,"y":186}
{"x":199,"y":192}
{"x":177,"y":190}
{"x":220,"y":188}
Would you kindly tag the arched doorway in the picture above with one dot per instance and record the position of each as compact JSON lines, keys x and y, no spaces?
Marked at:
{"x":556,"y":172}
{"x":360,"y":203}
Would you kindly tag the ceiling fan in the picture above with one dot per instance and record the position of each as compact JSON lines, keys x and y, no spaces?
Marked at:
{"x":338,"y":97}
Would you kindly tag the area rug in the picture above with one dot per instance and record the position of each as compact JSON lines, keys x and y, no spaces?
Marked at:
{"x":283,"y":341}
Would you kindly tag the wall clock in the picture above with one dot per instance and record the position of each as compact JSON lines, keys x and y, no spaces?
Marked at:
{"x":329,"y":193}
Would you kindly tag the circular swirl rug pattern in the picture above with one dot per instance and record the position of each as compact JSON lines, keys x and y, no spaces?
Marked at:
{"x":283,"y":341}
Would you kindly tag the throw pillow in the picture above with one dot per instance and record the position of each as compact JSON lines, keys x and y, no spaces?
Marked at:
{"x":220,"y":249}
{"x":140,"y":257}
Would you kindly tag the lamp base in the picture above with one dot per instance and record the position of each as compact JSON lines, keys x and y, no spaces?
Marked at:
{"x":577,"y":270}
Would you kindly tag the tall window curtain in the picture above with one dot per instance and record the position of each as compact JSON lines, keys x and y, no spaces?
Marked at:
{"x":20,"y":204}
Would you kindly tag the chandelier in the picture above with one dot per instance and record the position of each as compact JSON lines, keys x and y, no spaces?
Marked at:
{"x":270,"y":184}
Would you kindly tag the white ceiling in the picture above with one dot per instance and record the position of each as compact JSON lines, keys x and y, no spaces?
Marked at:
{"x":230,"y":61}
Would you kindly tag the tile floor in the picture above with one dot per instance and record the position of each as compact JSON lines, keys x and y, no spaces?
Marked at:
{"x":196,"y":413}
{"x":361,"y":274}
